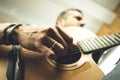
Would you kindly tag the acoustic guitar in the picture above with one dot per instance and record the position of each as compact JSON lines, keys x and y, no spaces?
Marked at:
{"x":78,"y":64}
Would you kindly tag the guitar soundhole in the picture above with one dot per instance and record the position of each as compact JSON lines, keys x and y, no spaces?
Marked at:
{"x":72,"y":56}
{"x":72,"y":60}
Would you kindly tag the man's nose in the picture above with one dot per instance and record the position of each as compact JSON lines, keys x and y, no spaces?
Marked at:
{"x":82,"y":23}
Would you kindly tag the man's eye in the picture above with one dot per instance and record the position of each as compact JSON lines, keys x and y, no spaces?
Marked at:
{"x":78,"y":18}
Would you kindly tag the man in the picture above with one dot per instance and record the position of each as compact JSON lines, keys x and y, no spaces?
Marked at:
{"x":70,"y":17}
{"x":74,"y":17}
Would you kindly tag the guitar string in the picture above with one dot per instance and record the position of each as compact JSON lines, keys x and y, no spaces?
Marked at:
{"x":75,"y":50}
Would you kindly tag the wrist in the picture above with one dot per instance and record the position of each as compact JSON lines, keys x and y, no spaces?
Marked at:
{"x":2,"y":28}
{"x":17,"y":32}
{"x":7,"y":34}
{"x":11,"y":34}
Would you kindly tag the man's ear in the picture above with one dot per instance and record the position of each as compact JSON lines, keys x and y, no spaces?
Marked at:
{"x":61,"y":22}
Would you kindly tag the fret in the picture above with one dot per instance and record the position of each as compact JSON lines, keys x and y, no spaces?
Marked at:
{"x":118,"y":34}
{"x":117,"y":37}
{"x":100,"y":42}
{"x":108,"y":40}
{"x":82,"y":46}
{"x":104,"y":41}
{"x":113,"y":39}
{"x":90,"y":44}
{"x":95,"y":45}
{"x":86,"y":45}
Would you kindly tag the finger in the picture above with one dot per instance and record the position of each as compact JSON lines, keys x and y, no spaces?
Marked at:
{"x":53,"y":45}
{"x":46,"y":51}
{"x":53,"y":33}
{"x":67,"y":38}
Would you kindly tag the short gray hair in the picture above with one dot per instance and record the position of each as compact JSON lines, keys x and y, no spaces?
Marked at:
{"x":64,"y":14}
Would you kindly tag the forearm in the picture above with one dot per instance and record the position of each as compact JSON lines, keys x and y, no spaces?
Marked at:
{"x":21,"y":36}
{"x":36,"y":38}
{"x":8,"y":33}
{"x":4,"y":49}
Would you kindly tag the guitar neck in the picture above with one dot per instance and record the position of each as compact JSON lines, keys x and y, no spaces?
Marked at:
{"x":99,"y":43}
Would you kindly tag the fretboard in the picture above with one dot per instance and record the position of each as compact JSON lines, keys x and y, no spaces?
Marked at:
{"x":99,"y":43}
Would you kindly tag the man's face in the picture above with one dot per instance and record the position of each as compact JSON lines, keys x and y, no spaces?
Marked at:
{"x":74,"y":18}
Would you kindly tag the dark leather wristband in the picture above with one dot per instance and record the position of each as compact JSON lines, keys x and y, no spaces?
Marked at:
{"x":11,"y":35}
{"x":4,"y":38}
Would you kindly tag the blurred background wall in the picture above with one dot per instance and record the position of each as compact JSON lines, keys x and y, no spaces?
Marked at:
{"x":101,"y":16}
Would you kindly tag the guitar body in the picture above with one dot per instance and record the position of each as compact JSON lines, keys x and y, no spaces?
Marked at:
{"x":38,"y":67}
